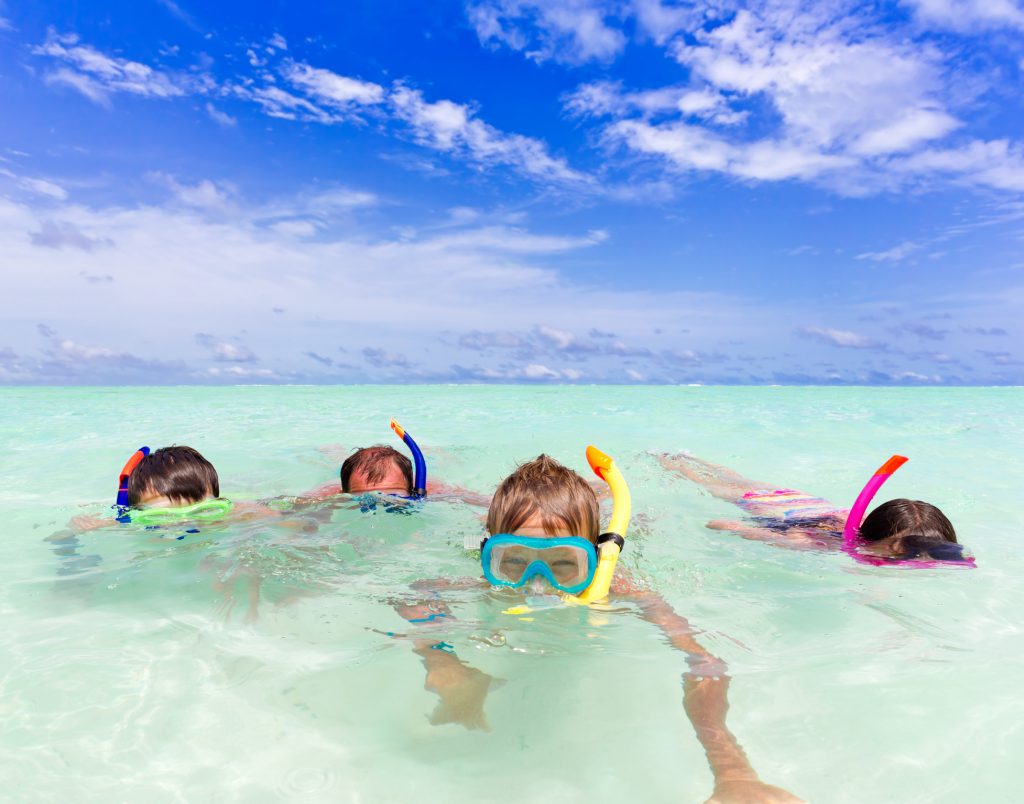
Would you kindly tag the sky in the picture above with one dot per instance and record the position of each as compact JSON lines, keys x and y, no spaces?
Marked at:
{"x":632,"y":191}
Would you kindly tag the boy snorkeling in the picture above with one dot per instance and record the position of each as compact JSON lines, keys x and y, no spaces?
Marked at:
{"x":544,"y":538}
{"x":896,"y":531}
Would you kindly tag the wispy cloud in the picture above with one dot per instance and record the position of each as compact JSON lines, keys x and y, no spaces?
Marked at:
{"x":454,"y":128}
{"x":897,"y":253}
{"x":60,"y":234}
{"x":225,"y":351}
{"x":98,"y":76}
{"x":969,"y":15}
{"x":839,"y":337}
{"x":573,"y":31}
{"x":222,"y":119}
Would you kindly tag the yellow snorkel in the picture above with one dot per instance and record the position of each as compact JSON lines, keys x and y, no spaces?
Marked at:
{"x":611,"y":542}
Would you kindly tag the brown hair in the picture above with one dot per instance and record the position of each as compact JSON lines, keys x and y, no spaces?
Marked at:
{"x":916,"y":529}
{"x":374,"y":462}
{"x":561,"y":497}
{"x":179,"y":473}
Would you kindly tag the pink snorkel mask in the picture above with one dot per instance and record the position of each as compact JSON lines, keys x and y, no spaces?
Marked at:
{"x":856,"y":516}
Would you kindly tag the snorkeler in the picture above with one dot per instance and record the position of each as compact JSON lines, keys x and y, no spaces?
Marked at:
{"x":897,"y":531}
{"x":545,"y":541}
{"x":381,"y":469}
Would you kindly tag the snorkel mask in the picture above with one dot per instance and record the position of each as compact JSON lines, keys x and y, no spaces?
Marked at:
{"x":205,"y":510}
{"x":570,"y":564}
{"x":856,"y":517}
{"x":420,"y":482}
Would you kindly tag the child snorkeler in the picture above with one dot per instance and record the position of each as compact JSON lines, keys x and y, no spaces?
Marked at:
{"x":544,"y":539}
{"x":898,"y":530}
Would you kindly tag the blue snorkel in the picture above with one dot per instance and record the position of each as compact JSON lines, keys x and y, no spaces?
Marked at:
{"x":419,"y":488}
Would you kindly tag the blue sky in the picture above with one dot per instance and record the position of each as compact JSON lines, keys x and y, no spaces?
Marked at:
{"x":513,"y":191}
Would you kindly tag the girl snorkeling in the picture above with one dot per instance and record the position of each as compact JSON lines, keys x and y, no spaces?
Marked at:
{"x":896,"y":531}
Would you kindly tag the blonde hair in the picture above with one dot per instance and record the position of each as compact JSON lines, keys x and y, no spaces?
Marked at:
{"x":561,"y":497}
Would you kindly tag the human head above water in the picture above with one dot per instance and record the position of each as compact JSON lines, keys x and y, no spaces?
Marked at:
{"x":377,"y":468}
{"x":912,"y":529}
{"x":544,"y":492}
{"x":173,"y":476}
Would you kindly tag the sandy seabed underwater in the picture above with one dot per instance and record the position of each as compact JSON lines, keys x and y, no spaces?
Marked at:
{"x":252,"y":662}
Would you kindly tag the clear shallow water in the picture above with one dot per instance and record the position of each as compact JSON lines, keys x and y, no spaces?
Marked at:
{"x":246,"y":663}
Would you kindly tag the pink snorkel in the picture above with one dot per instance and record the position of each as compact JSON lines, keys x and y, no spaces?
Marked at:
{"x":856,"y":516}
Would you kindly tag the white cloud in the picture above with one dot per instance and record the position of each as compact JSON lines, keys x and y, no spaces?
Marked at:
{"x":225,"y":351}
{"x":572,"y":31}
{"x":689,"y":147}
{"x":607,"y":98}
{"x":839,"y":337}
{"x":969,"y":15}
{"x":331,"y":89}
{"x":275,"y":102}
{"x":339,"y":288}
{"x":222,"y":119}
{"x":278,"y":42}
{"x":661,"y":22}
{"x":205,"y":194}
{"x":43,"y":187}
{"x":832,"y":80}
{"x":97,"y":75}
{"x":453,"y":128}
{"x":996,"y":163}
{"x":795,"y":90}
{"x":897,"y":253}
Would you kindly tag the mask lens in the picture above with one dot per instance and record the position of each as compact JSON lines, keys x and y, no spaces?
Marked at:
{"x":512,"y":562}
{"x":567,"y":564}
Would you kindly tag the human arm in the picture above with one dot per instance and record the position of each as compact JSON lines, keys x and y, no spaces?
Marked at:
{"x":792,"y":538}
{"x":705,"y":701}
{"x":720,"y":481}
{"x":462,"y":689}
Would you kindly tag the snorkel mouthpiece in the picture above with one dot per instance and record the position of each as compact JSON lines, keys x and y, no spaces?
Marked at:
{"x":420,"y":482}
{"x":610,"y":543}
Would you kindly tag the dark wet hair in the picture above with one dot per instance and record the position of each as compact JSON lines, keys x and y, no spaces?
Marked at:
{"x":374,"y":462}
{"x":917,"y":529}
{"x":179,"y":473}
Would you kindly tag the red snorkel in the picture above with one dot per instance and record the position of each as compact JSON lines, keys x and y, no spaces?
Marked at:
{"x":122,"y":480}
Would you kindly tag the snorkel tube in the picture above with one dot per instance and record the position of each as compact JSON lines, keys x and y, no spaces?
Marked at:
{"x":611,"y":542}
{"x":860,"y":506}
{"x":121,"y":503}
{"x":420,"y":482}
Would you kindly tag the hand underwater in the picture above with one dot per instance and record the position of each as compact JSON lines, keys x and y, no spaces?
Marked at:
{"x":462,"y":694}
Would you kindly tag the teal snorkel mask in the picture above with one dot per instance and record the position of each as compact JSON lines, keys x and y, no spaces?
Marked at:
{"x":568,"y":563}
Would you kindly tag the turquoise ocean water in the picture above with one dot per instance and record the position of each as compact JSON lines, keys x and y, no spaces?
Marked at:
{"x":251,"y":662}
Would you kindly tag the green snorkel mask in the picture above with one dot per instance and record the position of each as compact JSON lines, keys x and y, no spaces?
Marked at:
{"x":205,"y":511}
